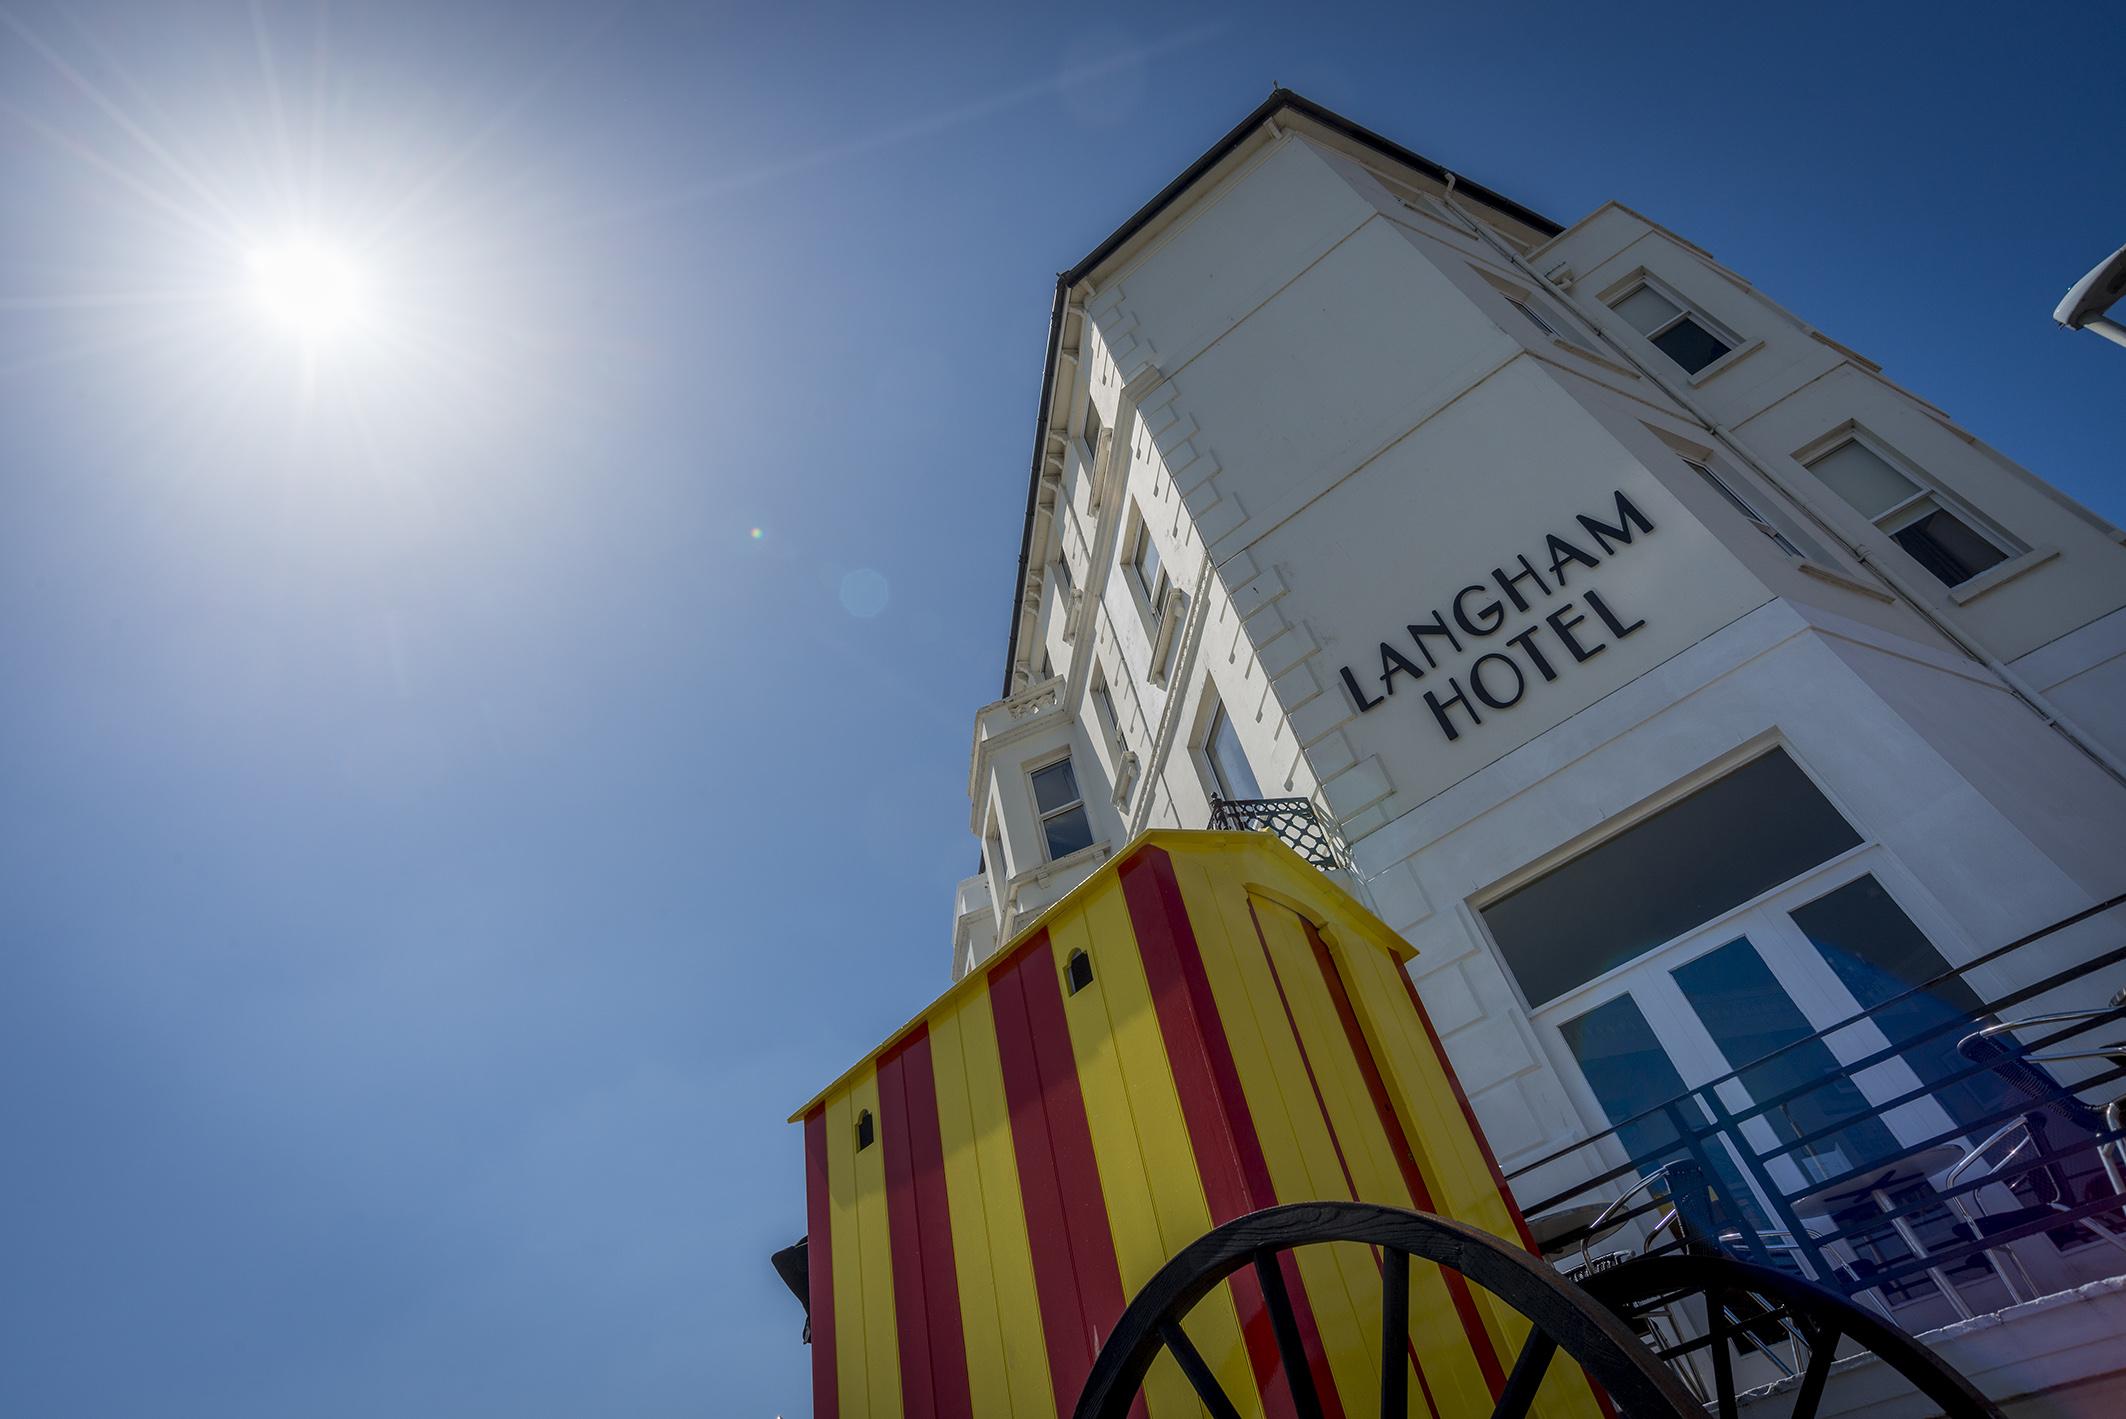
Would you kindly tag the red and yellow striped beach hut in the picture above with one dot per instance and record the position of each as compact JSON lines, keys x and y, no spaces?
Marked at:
{"x":1206,"y":1027}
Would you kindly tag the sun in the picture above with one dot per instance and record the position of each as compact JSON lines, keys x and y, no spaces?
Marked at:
{"x":307,"y":288}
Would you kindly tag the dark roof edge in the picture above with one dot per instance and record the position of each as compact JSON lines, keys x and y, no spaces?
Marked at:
{"x":1279,"y":101}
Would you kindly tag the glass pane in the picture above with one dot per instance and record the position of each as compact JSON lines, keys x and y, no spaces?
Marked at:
{"x":1749,"y":1016}
{"x":1092,"y":429}
{"x":1647,"y":310}
{"x":1229,"y":762}
{"x":1148,"y":566}
{"x":1055,"y":786}
{"x":1946,"y":546}
{"x":1731,"y":840}
{"x":1690,"y":345}
{"x":1879,"y":954}
{"x":1859,"y":475}
{"x":1533,"y":319}
{"x":1630,"y":1073}
{"x":1067,"y":832}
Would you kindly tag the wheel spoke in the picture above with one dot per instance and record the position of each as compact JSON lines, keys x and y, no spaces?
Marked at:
{"x":1199,"y":1374}
{"x":1394,"y":1334}
{"x":1298,"y":1376}
{"x":1723,"y":1362}
{"x":1823,"y":1350}
{"x":1527,"y":1375}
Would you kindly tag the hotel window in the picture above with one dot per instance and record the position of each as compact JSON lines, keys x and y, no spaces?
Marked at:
{"x":1104,"y":708}
{"x":1695,"y":860}
{"x":1092,"y":430}
{"x":1064,"y":827}
{"x":1740,"y":504}
{"x":1151,"y":575}
{"x":1681,"y":334}
{"x":1230,"y":771}
{"x":1915,"y":518}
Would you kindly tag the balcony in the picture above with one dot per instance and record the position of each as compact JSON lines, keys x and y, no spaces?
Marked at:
{"x":2000,"y":1239}
{"x":1292,"y":821}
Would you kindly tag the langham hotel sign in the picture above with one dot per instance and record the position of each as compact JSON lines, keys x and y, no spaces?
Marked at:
{"x":1573,"y":625}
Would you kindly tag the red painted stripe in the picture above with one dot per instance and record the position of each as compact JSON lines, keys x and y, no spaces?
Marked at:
{"x":1236,"y":1175}
{"x":1077,"y":1280}
{"x":926,"y":1289}
{"x":1487,"y":1358}
{"x":1483,"y":1145}
{"x":904,"y":1237}
{"x":819,"y":1268}
{"x":1322,"y":1105}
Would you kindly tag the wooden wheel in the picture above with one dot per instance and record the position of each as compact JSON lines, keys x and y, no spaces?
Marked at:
{"x":1761,"y":1306}
{"x":1564,"y":1317}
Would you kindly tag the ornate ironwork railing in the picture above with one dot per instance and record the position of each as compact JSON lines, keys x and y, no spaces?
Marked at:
{"x":2022,"y":1052}
{"x":1292,"y":821}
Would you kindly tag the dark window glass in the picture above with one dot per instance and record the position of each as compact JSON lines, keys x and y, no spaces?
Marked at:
{"x":1690,"y":345}
{"x":1879,"y":954}
{"x":1731,"y":840}
{"x":1055,"y":786}
{"x":1079,"y":972}
{"x":1946,"y":546}
{"x":1630,"y":1073}
{"x":1064,"y":825}
{"x":865,"y":1132}
{"x":1749,"y":1016}
{"x":1067,"y":832}
{"x":1092,"y":430}
{"x":1229,"y":762}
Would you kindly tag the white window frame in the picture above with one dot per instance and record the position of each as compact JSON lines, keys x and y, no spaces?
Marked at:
{"x":1685,"y":310}
{"x":1041,"y":819}
{"x":1725,"y":486}
{"x":1209,"y":755}
{"x":1929,"y":496}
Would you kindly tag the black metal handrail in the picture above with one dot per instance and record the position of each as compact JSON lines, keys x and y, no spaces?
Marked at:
{"x":1292,"y":821}
{"x":1703,"y":1133}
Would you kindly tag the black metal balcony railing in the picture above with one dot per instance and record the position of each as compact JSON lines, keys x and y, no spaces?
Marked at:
{"x":1292,"y":820}
{"x":1813,"y":1179}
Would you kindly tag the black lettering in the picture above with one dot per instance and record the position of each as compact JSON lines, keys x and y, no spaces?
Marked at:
{"x":1440,"y":707}
{"x":1526,"y":641}
{"x":1476,"y":680}
{"x":1438,"y":627}
{"x":1627,"y":515}
{"x":1526,"y":573}
{"x":1562,"y":552}
{"x":1393,"y":663}
{"x":1557,"y":623}
{"x":1492,"y":613}
{"x":1609,"y":617}
{"x":1358,"y":696}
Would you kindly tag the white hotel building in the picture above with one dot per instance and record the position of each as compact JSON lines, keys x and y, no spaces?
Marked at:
{"x":1635,"y":642}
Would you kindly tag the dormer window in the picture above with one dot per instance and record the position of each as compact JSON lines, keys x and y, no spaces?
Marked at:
{"x":1676,"y":331}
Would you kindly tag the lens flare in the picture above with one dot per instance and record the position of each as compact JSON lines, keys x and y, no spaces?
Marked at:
{"x":307,"y":288}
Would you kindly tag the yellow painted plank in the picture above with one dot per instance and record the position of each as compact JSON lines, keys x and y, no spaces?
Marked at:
{"x":988,"y":1380}
{"x":1451,"y":1372}
{"x":1141,"y":1246}
{"x":1449,"y":1156}
{"x":850,"y":1316}
{"x":1024,"y":1355}
{"x":882,"y":1356}
{"x":1179,"y":1204}
{"x":1289,"y":1124}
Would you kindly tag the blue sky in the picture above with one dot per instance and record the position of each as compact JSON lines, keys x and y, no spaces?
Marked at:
{"x":439,"y":842}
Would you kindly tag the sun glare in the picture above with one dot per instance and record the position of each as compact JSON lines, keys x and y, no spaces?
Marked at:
{"x":307,"y":288}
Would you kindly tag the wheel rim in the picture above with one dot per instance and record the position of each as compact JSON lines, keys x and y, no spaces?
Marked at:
{"x":1823,"y":1317}
{"x":1564,"y":1317}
